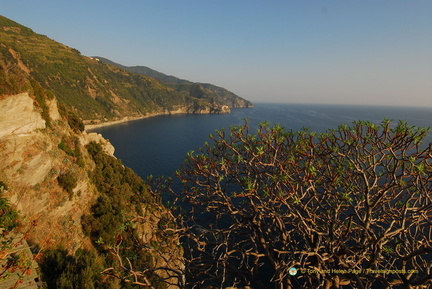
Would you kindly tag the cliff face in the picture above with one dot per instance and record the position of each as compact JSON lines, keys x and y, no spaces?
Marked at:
{"x":18,"y":116}
{"x":31,"y":163}
{"x":55,"y":183}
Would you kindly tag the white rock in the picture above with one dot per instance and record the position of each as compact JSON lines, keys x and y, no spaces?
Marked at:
{"x":98,"y":138}
{"x":18,"y":115}
{"x":53,"y":109}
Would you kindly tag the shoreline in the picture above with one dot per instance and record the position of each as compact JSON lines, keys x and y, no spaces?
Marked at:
{"x":89,"y":127}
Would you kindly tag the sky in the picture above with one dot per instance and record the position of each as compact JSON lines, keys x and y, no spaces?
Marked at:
{"x":364,"y":52}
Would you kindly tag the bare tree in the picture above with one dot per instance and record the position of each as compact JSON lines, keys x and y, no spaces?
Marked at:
{"x":350,"y":207}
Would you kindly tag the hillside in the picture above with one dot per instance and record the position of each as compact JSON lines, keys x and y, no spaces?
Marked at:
{"x":144,"y":70}
{"x":92,"y":89}
{"x":72,"y":195}
{"x":61,"y":188}
{"x":195,"y":89}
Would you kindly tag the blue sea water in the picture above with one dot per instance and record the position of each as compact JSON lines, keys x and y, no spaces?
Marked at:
{"x":157,"y":146}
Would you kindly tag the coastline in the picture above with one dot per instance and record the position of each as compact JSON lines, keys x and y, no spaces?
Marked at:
{"x":89,"y":127}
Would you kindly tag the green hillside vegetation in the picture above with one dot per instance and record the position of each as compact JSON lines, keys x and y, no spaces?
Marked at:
{"x":90,"y":88}
{"x":195,"y":89}
{"x":144,"y":70}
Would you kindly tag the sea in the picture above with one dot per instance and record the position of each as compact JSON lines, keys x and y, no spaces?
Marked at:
{"x":158,"y":145}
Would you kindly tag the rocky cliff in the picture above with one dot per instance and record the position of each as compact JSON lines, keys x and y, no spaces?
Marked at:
{"x":58,"y":187}
{"x":18,"y":117}
{"x":31,"y":163}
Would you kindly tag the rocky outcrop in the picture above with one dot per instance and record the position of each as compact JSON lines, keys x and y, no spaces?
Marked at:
{"x":202,"y":109}
{"x":18,"y":116}
{"x":20,"y":121}
{"x":86,"y":138}
{"x":53,"y":109}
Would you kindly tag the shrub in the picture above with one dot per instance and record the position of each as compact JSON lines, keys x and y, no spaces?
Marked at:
{"x":8,"y":216}
{"x":68,"y":181}
{"x":348,"y":207}
{"x":113,"y":221}
{"x":74,"y":122}
{"x":41,"y":95}
{"x":81,"y":270}
{"x":14,"y":264}
{"x":71,"y":146}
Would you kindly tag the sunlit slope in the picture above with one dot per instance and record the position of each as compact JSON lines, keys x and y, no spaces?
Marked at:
{"x":195,"y":89}
{"x":94,"y":90}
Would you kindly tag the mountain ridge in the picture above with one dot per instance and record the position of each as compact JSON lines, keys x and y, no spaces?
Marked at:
{"x":228,"y":97}
{"x":145,"y":70}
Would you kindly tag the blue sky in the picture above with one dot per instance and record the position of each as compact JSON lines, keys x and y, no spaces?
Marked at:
{"x":338,"y":52}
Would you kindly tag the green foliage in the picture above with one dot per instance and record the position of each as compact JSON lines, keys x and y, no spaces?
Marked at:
{"x":41,"y":95}
{"x":12,"y":79}
{"x":122,"y":191}
{"x":122,"y":197}
{"x":68,"y":181}
{"x":5,"y":22}
{"x":14,"y":265}
{"x":211,"y":93}
{"x":8,"y":216}
{"x":71,"y":146}
{"x":75,"y":122}
{"x":62,"y":271}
